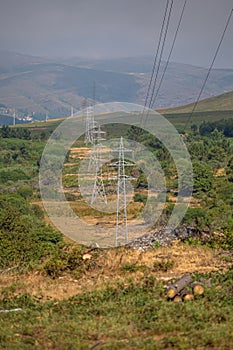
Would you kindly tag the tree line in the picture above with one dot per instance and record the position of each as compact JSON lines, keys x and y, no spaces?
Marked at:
{"x":224,"y":125}
{"x":19,"y":133}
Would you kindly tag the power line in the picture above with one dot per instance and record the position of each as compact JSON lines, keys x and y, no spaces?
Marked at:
{"x":170,"y":53}
{"x":161,"y":53}
{"x":209,"y":70}
{"x":166,"y":24}
{"x":155,"y":60}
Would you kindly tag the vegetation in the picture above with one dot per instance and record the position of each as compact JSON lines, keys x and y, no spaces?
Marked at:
{"x":24,"y":238}
{"x":224,"y":125}
{"x":131,"y":310}
{"x":121,"y":315}
{"x":20,"y":133}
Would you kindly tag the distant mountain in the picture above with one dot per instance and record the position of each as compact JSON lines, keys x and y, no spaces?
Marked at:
{"x":13,"y":61}
{"x":42,"y":87}
{"x":141,"y":64}
{"x":34,"y":84}
{"x":181,"y":84}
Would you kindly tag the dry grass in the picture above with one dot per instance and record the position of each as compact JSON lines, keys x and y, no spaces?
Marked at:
{"x":220,"y":172}
{"x":109,"y":268}
{"x":90,"y":215}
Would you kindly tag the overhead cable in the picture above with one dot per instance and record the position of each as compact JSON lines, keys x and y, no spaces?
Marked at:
{"x":209,"y":70}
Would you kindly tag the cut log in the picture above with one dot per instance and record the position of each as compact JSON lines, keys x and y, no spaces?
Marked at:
{"x":188,"y":297}
{"x":177,"y":299}
{"x":186,"y":294}
{"x":175,"y":288}
{"x":198,"y":288}
{"x":87,"y":256}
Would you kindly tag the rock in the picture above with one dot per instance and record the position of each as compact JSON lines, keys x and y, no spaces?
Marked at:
{"x":164,"y":237}
{"x":94,"y":246}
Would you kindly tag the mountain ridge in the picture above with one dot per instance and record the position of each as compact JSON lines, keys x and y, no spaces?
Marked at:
{"x":40,"y":85}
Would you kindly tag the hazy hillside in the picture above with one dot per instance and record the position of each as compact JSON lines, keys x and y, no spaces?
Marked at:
{"x":13,"y":61}
{"x":141,"y":64}
{"x":39,"y":85}
{"x":55,"y":87}
{"x":181,"y":84}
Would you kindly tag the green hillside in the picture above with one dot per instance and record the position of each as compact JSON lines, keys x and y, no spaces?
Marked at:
{"x":58,"y":294}
{"x":223,"y":102}
{"x":208,"y":110}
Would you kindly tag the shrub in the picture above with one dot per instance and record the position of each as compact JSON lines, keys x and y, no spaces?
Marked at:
{"x":25,"y":191}
{"x":37,"y":211}
{"x":24,"y":238}
{"x":133,"y":267}
{"x":12,"y":175}
{"x":163,"y":265}
{"x":139,"y":197}
{"x":67,"y":259}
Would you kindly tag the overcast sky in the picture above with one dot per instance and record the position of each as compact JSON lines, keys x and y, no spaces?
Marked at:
{"x":115,"y":28}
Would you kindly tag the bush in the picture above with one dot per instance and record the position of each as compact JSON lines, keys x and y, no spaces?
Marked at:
{"x":13,"y":201}
{"x":142,"y":198}
{"x":163,"y":265}
{"x":196,"y":216}
{"x":67,"y":259}
{"x":24,"y":238}
{"x":12,"y":175}
{"x":37,"y":211}
{"x":203,"y":177}
{"x":25,"y":191}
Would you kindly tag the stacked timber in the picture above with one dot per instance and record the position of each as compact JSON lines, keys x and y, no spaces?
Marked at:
{"x":184,"y":289}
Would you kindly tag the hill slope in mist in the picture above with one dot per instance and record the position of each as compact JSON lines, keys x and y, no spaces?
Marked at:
{"x":34,"y":84}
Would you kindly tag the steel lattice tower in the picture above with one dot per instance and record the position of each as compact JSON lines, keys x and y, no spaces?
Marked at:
{"x":90,"y":126}
{"x":14,"y":117}
{"x":94,"y":137}
{"x":96,"y":162}
{"x":121,"y":205}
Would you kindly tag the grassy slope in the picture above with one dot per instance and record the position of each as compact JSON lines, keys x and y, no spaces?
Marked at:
{"x":223,"y":102}
{"x":120,"y":303}
{"x":210,"y":109}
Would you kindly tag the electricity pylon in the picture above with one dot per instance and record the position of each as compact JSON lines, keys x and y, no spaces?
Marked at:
{"x":93,"y":136}
{"x":14,"y":117}
{"x":90,"y":126}
{"x":97,"y":137}
{"x":90,"y":121}
{"x":121,"y":204}
{"x":96,"y":162}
